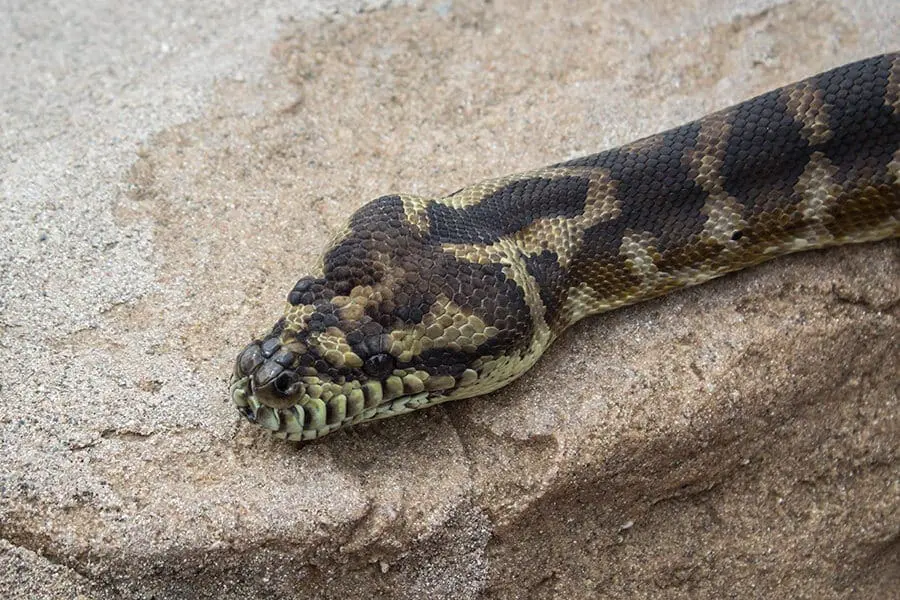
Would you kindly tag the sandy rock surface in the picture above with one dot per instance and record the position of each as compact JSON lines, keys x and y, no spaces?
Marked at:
{"x":166,"y":175}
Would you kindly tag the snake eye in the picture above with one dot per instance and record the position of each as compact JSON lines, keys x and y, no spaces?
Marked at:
{"x":379,"y":365}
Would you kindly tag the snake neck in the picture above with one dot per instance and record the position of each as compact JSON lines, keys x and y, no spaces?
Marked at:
{"x":810,"y":165}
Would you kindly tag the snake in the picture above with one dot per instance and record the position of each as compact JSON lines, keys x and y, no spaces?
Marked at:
{"x":418,"y":301}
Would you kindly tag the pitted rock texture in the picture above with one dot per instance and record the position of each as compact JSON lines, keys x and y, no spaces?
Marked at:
{"x":168,"y":177}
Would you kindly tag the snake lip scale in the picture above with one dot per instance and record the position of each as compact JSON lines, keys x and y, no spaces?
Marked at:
{"x":418,"y":301}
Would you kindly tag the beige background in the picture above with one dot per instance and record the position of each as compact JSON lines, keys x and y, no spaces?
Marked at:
{"x":168,"y":172}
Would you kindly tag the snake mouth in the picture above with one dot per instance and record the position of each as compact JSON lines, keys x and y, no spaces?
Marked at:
{"x":295,"y":407}
{"x":311,"y":418}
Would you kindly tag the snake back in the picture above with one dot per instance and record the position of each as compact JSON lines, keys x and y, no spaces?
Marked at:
{"x":418,"y":301}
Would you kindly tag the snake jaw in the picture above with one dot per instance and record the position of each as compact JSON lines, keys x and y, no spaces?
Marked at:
{"x":311,"y":418}
{"x":268,"y":390}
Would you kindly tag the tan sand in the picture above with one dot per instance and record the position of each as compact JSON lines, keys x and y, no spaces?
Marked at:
{"x":167,"y":174}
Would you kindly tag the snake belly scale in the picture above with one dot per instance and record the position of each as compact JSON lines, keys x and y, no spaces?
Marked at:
{"x":419,"y":301}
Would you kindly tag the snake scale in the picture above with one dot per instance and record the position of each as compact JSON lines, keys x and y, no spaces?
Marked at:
{"x":419,"y":301}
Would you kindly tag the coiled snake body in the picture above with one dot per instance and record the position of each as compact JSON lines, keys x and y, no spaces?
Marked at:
{"x":419,"y":301}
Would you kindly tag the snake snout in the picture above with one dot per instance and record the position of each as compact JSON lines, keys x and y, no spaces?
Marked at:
{"x":271,"y":379}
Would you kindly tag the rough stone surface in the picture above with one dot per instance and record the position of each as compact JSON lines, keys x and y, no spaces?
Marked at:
{"x":166,"y":174}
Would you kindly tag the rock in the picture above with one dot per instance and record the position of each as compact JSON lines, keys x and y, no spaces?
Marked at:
{"x":736,"y":439}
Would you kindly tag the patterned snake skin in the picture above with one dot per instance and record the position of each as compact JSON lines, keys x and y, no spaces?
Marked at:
{"x":420,"y":301}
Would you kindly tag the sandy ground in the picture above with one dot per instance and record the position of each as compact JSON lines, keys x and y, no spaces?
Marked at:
{"x":167,"y":172}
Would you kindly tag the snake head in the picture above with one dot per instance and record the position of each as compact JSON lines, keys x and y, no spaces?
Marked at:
{"x":395,"y":323}
{"x":328,"y":364}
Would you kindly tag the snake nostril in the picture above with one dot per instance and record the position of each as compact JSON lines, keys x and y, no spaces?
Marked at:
{"x":286,"y":383}
{"x":274,"y":386}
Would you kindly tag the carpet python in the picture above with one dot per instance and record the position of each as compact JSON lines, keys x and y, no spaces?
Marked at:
{"x":418,"y":301}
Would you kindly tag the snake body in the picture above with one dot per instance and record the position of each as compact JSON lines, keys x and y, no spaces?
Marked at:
{"x":419,"y":301}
